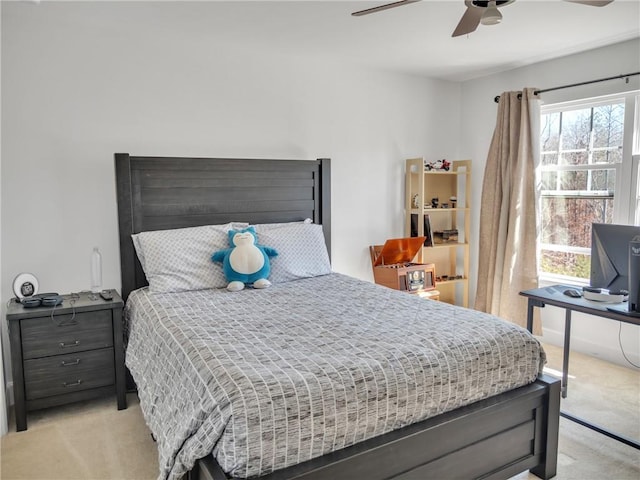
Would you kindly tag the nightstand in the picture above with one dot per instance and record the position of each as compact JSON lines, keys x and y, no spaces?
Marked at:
{"x":65,"y":354}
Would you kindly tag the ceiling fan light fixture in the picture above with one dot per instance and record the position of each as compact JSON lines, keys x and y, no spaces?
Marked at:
{"x":492,"y":16}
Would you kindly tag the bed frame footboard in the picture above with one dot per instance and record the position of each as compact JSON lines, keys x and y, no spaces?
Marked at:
{"x":494,"y":439}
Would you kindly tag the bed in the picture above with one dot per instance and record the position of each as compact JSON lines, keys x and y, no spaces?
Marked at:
{"x":482,"y":416}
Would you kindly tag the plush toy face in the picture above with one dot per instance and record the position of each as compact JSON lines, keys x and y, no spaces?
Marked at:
{"x":242,"y":238}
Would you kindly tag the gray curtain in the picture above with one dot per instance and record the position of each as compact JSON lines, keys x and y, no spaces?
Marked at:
{"x":508,"y":260}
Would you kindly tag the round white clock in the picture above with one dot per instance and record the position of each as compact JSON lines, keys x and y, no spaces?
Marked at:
{"x":25,"y":285}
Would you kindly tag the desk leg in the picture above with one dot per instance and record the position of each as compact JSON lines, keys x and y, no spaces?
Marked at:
{"x":532,"y":302}
{"x":565,"y":359}
{"x":530,"y":305}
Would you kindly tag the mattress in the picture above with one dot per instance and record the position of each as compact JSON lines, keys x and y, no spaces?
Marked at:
{"x":265,"y":379}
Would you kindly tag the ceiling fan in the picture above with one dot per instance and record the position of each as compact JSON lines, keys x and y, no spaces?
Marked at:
{"x":478,"y":12}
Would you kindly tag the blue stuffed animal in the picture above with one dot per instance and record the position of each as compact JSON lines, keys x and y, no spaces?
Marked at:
{"x":246,"y":261}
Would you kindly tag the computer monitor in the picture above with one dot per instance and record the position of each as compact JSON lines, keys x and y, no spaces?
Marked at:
{"x":610,"y":255}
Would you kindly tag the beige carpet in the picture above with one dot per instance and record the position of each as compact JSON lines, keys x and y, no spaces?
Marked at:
{"x":93,"y":440}
{"x":605,"y":394}
{"x":85,"y":440}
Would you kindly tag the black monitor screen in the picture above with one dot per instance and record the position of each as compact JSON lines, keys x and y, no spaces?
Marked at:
{"x":610,"y":255}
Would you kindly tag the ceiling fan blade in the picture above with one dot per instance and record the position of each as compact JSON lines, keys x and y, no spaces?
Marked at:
{"x":469,"y":21}
{"x":593,"y":3}
{"x":383,"y":7}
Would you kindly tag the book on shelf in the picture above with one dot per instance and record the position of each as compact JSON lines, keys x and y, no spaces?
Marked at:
{"x":428,"y":234}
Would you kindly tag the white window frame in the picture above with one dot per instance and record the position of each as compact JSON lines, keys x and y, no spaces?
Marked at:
{"x":626,"y":200}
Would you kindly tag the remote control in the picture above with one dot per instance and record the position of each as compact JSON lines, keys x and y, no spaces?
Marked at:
{"x":106,"y":295}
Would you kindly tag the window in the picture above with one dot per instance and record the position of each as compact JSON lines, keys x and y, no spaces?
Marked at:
{"x":587,"y":174}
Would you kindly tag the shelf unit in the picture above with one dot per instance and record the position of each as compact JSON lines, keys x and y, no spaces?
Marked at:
{"x":451,"y":257}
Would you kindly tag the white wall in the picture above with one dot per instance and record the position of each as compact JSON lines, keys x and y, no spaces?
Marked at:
{"x":590,"y":334}
{"x":82,"y":81}
{"x":3,"y":400}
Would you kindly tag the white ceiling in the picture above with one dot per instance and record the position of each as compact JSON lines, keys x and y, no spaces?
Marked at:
{"x":416,"y":38}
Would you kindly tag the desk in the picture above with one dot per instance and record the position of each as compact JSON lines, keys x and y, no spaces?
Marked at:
{"x":553,"y":295}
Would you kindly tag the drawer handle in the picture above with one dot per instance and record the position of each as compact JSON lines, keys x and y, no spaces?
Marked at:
{"x":67,"y":345}
{"x":66,"y":364}
{"x":72,"y":384}
{"x":66,"y":323}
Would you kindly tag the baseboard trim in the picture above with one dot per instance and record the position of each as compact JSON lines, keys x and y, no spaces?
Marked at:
{"x":582,"y":345}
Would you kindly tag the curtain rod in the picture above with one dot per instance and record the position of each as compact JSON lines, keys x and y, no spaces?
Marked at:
{"x":536,"y":92}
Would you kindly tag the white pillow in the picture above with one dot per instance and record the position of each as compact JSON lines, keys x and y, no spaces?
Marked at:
{"x":180,"y":259}
{"x":302,"y":252}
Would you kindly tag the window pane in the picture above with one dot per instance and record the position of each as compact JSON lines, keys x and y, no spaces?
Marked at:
{"x":575,"y":158}
{"x":576,"y":127}
{"x":567,"y":221}
{"x":573,"y":180}
{"x":603,"y":181}
{"x":550,"y":132}
{"x":607,"y":156}
{"x":549,"y":180}
{"x":608,"y":125}
{"x":549,"y":159}
{"x":565,"y":263}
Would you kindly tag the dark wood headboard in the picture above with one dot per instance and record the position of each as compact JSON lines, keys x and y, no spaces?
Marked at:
{"x":158,"y":193}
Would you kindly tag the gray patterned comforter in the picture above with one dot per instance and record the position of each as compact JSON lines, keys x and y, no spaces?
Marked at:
{"x":269,"y":378}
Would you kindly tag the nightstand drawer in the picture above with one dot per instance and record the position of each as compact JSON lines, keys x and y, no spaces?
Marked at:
{"x":62,"y":374}
{"x":44,"y":336}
